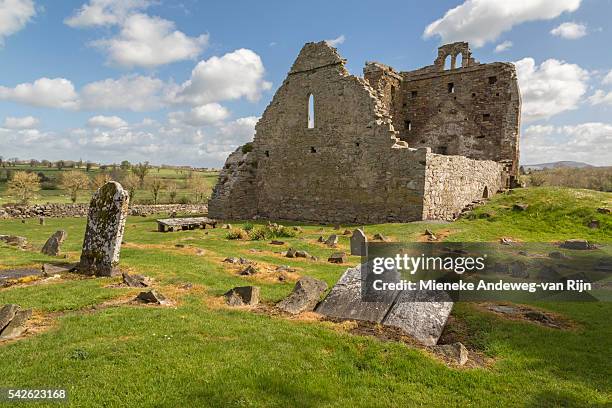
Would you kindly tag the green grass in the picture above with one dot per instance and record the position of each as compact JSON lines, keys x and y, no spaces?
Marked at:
{"x":180,"y":177}
{"x":197,"y":354}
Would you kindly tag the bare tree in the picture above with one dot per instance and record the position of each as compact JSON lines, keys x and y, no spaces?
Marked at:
{"x":155,"y":185}
{"x":24,"y":185}
{"x":131,"y":182}
{"x":100,"y":180}
{"x":199,"y":187}
{"x":74,"y":181}
{"x":172,"y":189}
{"x":141,"y":170}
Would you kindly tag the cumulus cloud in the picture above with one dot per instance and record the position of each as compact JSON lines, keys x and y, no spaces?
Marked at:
{"x":569,"y":31}
{"x":14,"y":15}
{"x":25,"y":122}
{"x":200,"y":115}
{"x":105,"y":12}
{"x":607,"y":79}
{"x":234,"y":75}
{"x":503,"y":46}
{"x":336,"y":41}
{"x":109,"y":122}
{"x":482,"y":21}
{"x":44,"y":92}
{"x":601,"y":98}
{"x":147,"y":41}
{"x":587,"y":142}
{"x":132,"y":92}
{"x":550,"y":88}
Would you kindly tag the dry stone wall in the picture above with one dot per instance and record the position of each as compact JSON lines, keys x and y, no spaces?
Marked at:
{"x":80,"y":210}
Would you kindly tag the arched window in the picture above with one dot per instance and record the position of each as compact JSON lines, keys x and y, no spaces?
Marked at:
{"x":447,"y":62}
{"x":459,"y":60}
{"x":311,"y":112}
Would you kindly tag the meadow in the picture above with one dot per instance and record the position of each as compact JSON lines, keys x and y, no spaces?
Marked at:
{"x":52,"y":192}
{"x":106,"y":351}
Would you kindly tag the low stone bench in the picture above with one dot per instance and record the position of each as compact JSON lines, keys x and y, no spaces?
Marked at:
{"x":182,"y":224}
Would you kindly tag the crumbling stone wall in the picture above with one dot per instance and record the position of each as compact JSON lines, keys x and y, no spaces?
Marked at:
{"x":470,"y":110}
{"x":348,"y":164}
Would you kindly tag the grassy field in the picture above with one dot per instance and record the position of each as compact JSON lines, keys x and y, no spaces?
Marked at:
{"x":106,"y":352}
{"x":57,"y":195}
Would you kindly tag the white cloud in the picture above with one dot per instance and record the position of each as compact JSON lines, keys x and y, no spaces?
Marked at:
{"x":147,"y":41}
{"x":208,"y":114}
{"x":26,"y":122}
{"x":569,"y":31}
{"x":336,"y":41}
{"x":550,"y":88}
{"x":14,"y":15}
{"x":607,"y":79}
{"x":601,"y":98}
{"x":45,"y":92}
{"x":482,"y":21}
{"x":105,"y":12}
{"x":133,"y":92}
{"x":234,"y":75}
{"x":503,"y":46}
{"x":109,"y":122}
{"x":585,"y":142}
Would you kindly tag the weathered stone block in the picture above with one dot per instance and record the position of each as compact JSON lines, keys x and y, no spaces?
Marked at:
{"x":359,"y":243}
{"x":53,"y":244}
{"x":304,"y":297}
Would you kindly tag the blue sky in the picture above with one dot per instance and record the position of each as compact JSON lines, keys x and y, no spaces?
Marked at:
{"x":183,"y":82}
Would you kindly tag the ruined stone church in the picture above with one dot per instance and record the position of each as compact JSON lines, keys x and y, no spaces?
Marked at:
{"x":389,"y":147}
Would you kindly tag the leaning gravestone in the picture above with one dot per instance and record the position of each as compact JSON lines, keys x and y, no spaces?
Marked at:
{"x":52,"y":246}
{"x":105,"y":225}
{"x":359,"y":243}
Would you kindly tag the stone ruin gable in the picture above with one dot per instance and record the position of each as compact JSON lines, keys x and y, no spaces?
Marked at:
{"x":344,"y":169}
{"x":471,"y":109}
{"x":108,"y":211}
{"x":452,"y":182}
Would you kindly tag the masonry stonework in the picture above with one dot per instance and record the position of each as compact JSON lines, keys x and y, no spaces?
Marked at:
{"x":350,"y":157}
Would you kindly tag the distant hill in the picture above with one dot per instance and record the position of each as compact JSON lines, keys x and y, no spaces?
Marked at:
{"x":558,"y":164}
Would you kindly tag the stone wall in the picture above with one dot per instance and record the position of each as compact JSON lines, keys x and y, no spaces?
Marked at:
{"x":453,"y":182}
{"x":80,"y":210}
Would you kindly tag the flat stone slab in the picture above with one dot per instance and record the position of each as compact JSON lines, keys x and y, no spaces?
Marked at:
{"x":14,"y":274}
{"x":177,"y":224}
{"x":420,"y":314}
{"x":344,"y":300}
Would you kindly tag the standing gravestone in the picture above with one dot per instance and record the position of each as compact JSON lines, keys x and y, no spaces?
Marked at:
{"x":52,"y":246}
{"x":359,"y":243}
{"x":105,"y":224}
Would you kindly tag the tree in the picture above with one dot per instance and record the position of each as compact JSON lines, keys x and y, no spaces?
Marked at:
{"x":24,"y":185}
{"x":172,"y":189}
{"x":131,"y":183}
{"x":199,"y":187}
{"x":100,"y":180}
{"x":88,"y":166}
{"x":74,"y":181}
{"x":155,"y":186}
{"x":141,"y":170}
{"x":60,"y":164}
{"x":125,"y":165}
